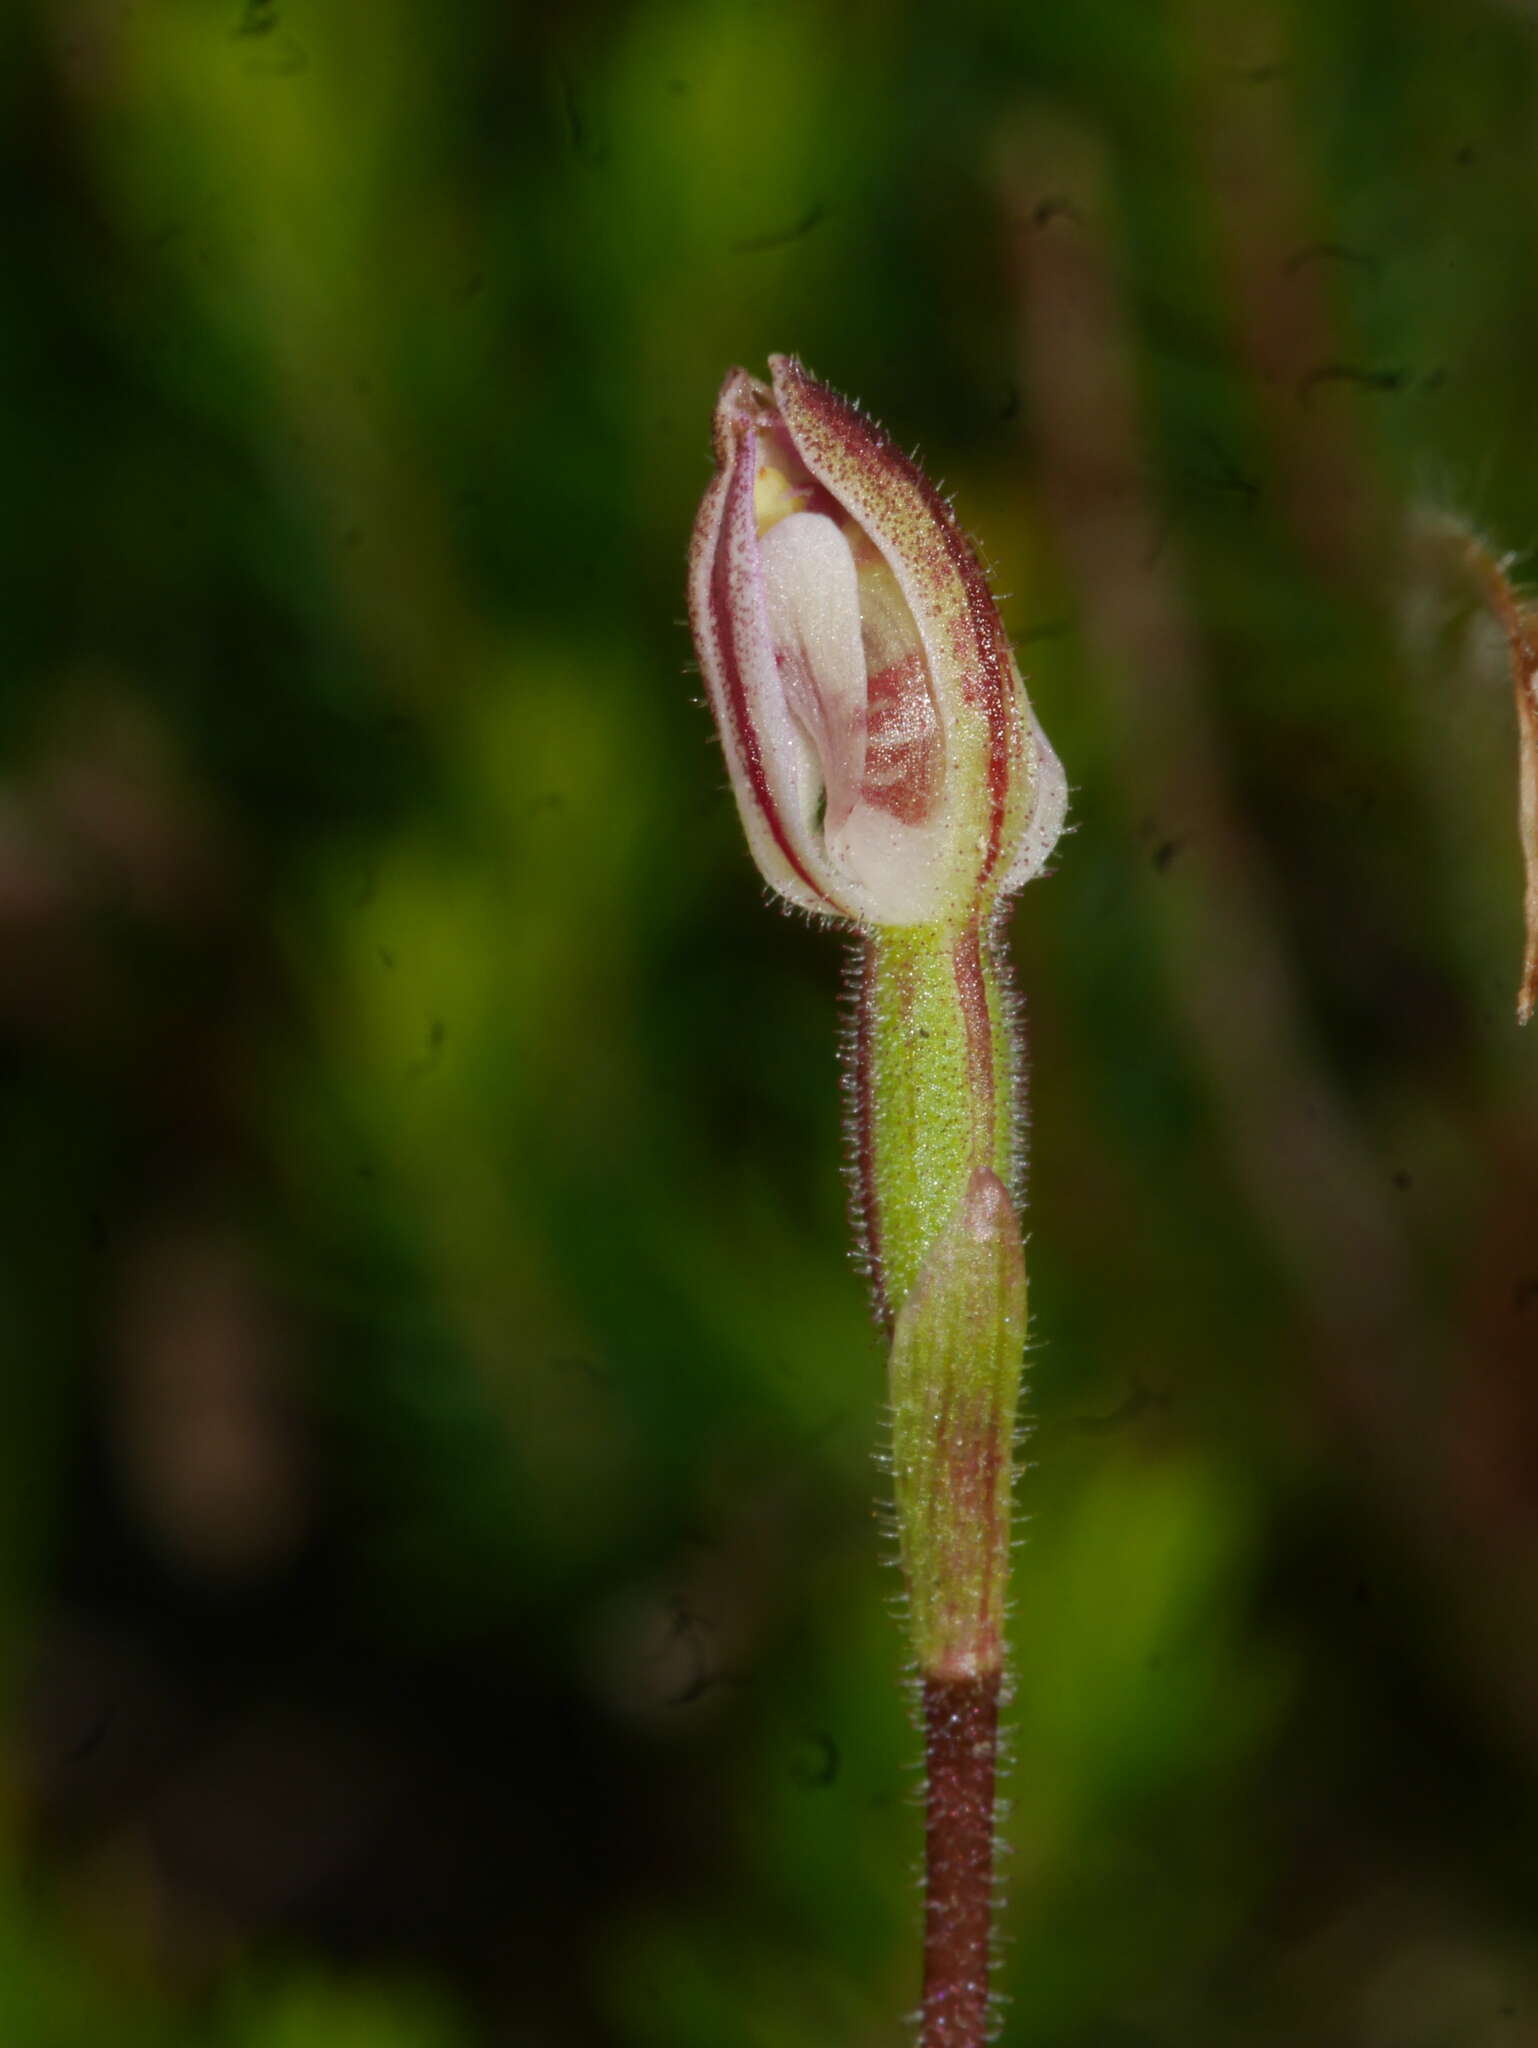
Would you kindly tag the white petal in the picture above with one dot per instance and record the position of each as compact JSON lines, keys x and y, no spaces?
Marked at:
{"x":814,"y":618}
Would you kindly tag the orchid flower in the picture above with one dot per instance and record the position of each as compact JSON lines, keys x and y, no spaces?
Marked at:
{"x":890,"y":774}
{"x":882,"y":749}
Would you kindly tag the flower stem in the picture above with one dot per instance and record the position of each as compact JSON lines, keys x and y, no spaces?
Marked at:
{"x":1517,"y":616}
{"x":1518,"y":621}
{"x":961,"y":1740}
{"x":935,"y":1089}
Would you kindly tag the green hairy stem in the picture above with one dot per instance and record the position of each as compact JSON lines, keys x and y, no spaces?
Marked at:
{"x":936,"y":1088}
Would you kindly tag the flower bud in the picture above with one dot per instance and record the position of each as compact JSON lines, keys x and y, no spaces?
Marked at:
{"x":884,"y":755}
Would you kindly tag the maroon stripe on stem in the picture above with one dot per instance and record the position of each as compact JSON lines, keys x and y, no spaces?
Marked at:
{"x":961,"y":1743}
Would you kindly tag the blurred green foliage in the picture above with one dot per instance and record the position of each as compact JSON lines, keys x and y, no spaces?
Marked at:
{"x":440,"y":1595}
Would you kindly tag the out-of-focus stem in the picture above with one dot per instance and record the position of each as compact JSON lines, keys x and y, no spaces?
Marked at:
{"x":937,"y":1130}
{"x":1519,"y":624}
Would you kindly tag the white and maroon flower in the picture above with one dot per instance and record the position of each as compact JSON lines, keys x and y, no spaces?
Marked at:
{"x":883,"y":751}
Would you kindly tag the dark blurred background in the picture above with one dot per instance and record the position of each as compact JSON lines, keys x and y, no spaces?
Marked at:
{"x":443,"y":1602}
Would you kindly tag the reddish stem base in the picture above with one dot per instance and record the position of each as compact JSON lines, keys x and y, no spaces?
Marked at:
{"x":961,"y":1744}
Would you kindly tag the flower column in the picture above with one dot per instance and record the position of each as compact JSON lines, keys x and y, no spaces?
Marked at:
{"x":890,"y":774}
